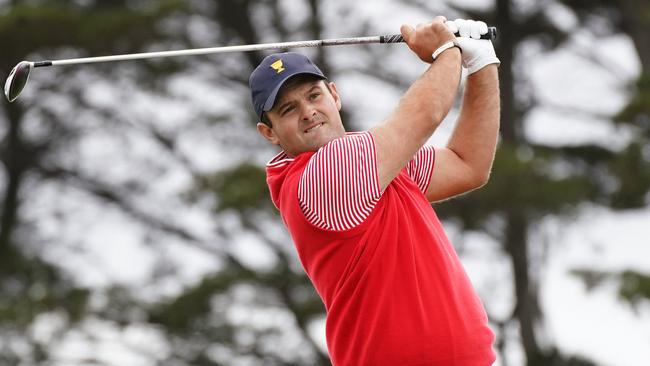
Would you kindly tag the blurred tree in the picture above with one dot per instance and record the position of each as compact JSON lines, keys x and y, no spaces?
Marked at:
{"x":632,"y":168}
{"x":30,"y":286}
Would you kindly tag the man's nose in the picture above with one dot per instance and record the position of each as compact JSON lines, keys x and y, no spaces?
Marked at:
{"x":308,"y":112}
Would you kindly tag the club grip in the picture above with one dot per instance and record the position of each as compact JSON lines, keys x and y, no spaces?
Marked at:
{"x":397,"y":38}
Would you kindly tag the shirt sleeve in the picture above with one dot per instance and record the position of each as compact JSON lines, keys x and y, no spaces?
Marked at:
{"x":340,"y":186}
{"x":420,"y":167}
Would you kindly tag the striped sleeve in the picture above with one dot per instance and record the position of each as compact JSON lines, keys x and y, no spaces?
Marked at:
{"x":420,"y":167}
{"x":340,"y":186}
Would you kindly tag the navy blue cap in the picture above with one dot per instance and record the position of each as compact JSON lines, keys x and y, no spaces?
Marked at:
{"x":269,"y":76}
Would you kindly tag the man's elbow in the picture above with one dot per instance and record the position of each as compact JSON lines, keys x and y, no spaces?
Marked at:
{"x":480,"y":179}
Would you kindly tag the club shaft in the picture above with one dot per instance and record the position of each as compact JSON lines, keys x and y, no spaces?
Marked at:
{"x":395,"y":38}
{"x":215,"y":50}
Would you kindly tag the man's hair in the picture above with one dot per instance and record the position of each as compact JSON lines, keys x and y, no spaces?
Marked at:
{"x":293,"y":82}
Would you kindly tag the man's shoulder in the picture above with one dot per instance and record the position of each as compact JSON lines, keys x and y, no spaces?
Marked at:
{"x":349,"y":140}
{"x":284,"y":160}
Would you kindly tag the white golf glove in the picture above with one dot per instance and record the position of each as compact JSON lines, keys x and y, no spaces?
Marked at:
{"x":476,"y":52}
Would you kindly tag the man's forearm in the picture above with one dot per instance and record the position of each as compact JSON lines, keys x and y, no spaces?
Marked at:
{"x":418,"y":114}
{"x":426,"y":103}
{"x":475,"y":137}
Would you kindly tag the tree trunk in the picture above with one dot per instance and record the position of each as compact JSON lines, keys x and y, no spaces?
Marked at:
{"x":516,"y":238}
{"x":635,"y":23}
{"x":505,"y":50}
{"x":526,"y":306}
{"x":14,"y":159}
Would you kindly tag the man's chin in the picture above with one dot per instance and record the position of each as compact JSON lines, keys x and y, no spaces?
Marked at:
{"x":324,"y":140}
{"x":318,"y":141}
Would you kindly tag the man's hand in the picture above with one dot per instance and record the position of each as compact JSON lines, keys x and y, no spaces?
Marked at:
{"x":427,"y":37}
{"x":477,"y":53}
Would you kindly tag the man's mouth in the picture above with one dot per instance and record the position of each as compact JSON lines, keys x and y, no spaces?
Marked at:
{"x":314,"y":127}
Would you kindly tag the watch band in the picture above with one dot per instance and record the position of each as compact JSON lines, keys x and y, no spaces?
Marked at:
{"x":443,"y":48}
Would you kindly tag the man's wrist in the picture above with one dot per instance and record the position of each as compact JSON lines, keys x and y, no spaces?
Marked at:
{"x":446,"y":46}
{"x":487,"y":71}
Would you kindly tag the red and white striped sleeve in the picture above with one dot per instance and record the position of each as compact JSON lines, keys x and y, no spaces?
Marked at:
{"x":340,"y":186}
{"x":420,"y":167}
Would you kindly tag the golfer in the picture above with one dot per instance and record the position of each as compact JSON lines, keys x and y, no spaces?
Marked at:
{"x":357,"y":205}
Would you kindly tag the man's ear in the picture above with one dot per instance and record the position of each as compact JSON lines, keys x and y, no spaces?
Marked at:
{"x":267,"y":132}
{"x":335,"y":95}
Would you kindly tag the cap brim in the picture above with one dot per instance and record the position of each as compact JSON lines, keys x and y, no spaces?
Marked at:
{"x":270,"y":101}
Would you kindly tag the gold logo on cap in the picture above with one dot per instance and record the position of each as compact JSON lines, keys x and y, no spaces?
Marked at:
{"x":278,"y":66}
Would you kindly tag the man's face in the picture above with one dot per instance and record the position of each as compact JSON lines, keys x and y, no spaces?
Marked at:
{"x":305,"y":117}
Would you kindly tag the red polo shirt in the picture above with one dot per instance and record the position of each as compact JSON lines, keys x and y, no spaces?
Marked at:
{"x":393,"y":287}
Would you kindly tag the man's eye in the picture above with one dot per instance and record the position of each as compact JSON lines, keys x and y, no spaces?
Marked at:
{"x":287,"y":110}
{"x":314,"y":96}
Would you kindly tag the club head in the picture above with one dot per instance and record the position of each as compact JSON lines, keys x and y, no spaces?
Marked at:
{"x":17,"y":79}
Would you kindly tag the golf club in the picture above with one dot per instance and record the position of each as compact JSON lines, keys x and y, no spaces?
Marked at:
{"x":19,"y":75}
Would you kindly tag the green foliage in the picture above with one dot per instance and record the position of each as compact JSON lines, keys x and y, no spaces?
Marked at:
{"x":633,"y":287}
{"x":632,"y":170}
{"x":589,"y":5}
{"x":587,"y":155}
{"x":91,"y":30}
{"x":554,"y":357}
{"x":242,"y":188}
{"x":525,"y":180}
{"x":185,"y":314}
{"x":637,"y":112}
{"x":30,"y":286}
{"x":199,"y":315}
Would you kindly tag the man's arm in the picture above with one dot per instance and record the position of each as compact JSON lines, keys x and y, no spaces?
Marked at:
{"x":423,"y":106}
{"x":466,"y":162}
